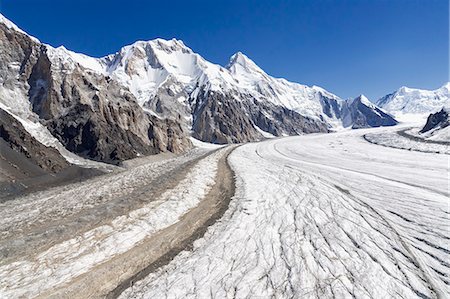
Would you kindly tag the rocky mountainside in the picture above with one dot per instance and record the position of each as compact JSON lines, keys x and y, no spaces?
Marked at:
{"x":438,"y":120}
{"x":236,"y":103}
{"x":151,"y":95}
{"x":437,"y":126}
{"x":416,"y":101}
{"x":89,"y":113}
{"x":13,"y":133}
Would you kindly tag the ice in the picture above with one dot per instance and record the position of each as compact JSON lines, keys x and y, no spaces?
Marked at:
{"x":321,"y":216}
{"x":404,"y":141}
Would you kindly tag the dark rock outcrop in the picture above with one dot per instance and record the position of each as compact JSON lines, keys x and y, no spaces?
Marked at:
{"x":220,"y":118}
{"x":280,"y":121}
{"x":15,"y":135}
{"x":437,"y":120}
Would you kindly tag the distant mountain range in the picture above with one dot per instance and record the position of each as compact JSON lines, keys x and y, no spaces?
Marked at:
{"x":416,"y":101}
{"x":151,"y":96}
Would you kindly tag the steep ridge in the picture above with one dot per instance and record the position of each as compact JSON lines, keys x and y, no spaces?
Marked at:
{"x":89,"y":113}
{"x":438,"y":120}
{"x":169,"y":79}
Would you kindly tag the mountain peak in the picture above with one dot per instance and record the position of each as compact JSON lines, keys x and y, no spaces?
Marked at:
{"x":404,"y":89}
{"x":170,"y":45}
{"x":240,"y":62}
{"x":446,"y":86}
{"x":363,"y":100}
{"x":413,"y":101}
{"x":239,"y":58}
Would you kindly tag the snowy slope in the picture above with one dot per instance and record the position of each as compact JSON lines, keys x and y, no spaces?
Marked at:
{"x":406,"y":102}
{"x":11,"y":25}
{"x":300,"y":98}
{"x":145,"y":65}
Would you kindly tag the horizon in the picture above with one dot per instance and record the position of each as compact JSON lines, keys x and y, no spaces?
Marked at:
{"x":418,"y":67}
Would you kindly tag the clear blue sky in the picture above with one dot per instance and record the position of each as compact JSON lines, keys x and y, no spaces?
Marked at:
{"x":348,"y":47}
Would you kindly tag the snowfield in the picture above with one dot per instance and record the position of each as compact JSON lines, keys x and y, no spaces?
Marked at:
{"x":321,"y":216}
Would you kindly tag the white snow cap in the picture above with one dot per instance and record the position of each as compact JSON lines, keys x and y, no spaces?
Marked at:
{"x":446,"y":86}
{"x":363,"y":99}
{"x":408,"y":100}
{"x":239,"y":58}
{"x":239,"y":62}
{"x":11,"y":25}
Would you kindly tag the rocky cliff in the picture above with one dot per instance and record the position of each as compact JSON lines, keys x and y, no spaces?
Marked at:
{"x":18,"y":139}
{"x":437,"y":121}
{"x":90,"y":113}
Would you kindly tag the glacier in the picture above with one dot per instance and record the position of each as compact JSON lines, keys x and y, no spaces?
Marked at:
{"x":321,"y":216}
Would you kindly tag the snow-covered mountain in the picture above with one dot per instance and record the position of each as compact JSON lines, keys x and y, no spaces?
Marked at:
{"x":410,"y":101}
{"x":147,"y":66}
{"x":361,"y":113}
{"x":236,"y":103}
{"x":149,"y":95}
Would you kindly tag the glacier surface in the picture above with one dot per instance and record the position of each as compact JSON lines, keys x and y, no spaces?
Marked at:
{"x":321,"y":216}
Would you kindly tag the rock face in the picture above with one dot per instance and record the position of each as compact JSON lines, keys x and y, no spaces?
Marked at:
{"x":221,"y":119}
{"x":17,"y":138}
{"x":361,"y":113}
{"x":436,"y":121}
{"x":90,"y":113}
